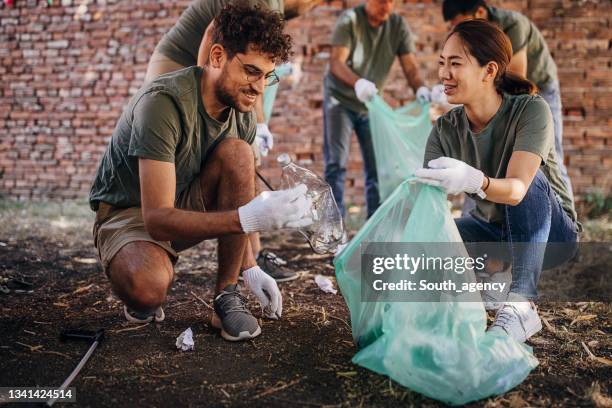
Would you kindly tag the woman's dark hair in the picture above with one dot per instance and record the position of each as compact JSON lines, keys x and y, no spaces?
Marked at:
{"x":486,"y":42}
{"x":240,"y":26}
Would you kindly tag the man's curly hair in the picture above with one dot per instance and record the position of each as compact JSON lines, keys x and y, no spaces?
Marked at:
{"x":240,"y":26}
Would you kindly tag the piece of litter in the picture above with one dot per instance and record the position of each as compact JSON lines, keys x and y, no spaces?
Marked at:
{"x":184,"y":341}
{"x":325,"y":284}
{"x":88,"y":261}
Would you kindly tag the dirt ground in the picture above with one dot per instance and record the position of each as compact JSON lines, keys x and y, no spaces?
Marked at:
{"x":50,"y":280}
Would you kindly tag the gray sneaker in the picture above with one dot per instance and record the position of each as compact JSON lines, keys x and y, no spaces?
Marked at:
{"x":235,"y":320}
{"x":274,"y":266}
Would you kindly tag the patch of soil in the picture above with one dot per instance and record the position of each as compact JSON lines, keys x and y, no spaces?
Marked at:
{"x":54,"y":282}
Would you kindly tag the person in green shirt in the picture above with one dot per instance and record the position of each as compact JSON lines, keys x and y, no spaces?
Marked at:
{"x":365,"y":43}
{"x":498,"y":148}
{"x":530,"y":57}
{"x":187,"y":43}
{"x":179,"y":169}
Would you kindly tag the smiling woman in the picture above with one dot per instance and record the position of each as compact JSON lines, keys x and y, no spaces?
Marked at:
{"x":498,"y":148}
{"x":492,"y":54}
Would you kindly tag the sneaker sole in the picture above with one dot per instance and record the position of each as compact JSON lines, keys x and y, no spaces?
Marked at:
{"x":132,"y":319}
{"x":245,"y":335}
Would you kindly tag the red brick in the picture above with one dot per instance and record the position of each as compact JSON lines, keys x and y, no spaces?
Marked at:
{"x":69,"y":130}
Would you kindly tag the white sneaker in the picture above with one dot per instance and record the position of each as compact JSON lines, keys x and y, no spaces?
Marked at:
{"x":493,"y":299}
{"x":518,"y":318}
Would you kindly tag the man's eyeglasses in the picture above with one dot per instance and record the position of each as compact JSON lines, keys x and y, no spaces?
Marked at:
{"x":254,"y":74}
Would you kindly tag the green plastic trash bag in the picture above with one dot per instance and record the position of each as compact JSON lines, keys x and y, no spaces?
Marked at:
{"x":399,"y":137}
{"x":270,"y":91}
{"x":439,"y":349}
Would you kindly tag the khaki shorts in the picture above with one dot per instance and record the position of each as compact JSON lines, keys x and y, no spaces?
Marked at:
{"x":116,"y":227}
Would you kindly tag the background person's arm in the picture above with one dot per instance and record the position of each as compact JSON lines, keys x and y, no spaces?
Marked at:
{"x":338,"y":67}
{"x":164,"y":222}
{"x":411,"y":71}
{"x":518,"y":63}
{"x":295,"y":8}
{"x":205,"y":45}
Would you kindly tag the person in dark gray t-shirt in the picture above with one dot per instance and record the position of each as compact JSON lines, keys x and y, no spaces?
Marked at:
{"x":366,"y":41}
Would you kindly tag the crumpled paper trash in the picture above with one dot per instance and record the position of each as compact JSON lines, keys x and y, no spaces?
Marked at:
{"x":184,"y":341}
{"x":325,"y":284}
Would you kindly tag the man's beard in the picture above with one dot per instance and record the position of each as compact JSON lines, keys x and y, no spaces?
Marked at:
{"x":223,"y":94}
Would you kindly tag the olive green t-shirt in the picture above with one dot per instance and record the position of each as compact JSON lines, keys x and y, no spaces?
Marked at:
{"x":372,"y":52}
{"x":522,"y":123}
{"x":541,"y":69}
{"x":182,"y":42}
{"x":166,"y":121}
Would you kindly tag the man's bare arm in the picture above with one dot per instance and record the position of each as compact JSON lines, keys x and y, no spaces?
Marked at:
{"x":338,"y":66}
{"x":518,"y":63}
{"x":164,"y":222}
{"x":411,"y":71}
{"x":205,"y":45}
{"x":295,"y":8}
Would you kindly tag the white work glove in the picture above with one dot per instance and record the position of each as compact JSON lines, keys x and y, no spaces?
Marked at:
{"x":264,"y":139}
{"x":423,"y":94}
{"x":277,"y":209}
{"x":438,"y":95}
{"x":454,"y":176}
{"x":265,"y":288}
{"x":365,"y":90}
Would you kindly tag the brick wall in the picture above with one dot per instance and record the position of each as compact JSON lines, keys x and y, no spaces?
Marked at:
{"x":68,"y":68}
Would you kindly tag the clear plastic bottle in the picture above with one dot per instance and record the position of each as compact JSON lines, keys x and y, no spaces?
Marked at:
{"x":327,"y":231}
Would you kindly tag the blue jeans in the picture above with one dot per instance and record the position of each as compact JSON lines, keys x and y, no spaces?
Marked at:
{"x":552,"y":95}
{"x":538,"y":218}
{"x":338,"y":124}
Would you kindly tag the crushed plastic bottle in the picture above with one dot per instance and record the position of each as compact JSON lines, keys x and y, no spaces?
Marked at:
{"x":327,"y":231}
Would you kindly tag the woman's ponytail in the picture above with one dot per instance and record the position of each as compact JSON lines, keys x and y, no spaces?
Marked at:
{"x":514,"y":84}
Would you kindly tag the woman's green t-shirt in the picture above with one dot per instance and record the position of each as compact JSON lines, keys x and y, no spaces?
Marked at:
{"x":522,"y":123}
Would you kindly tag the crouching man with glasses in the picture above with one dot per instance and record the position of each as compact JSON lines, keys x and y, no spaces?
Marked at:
{"x":179,"y":169}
